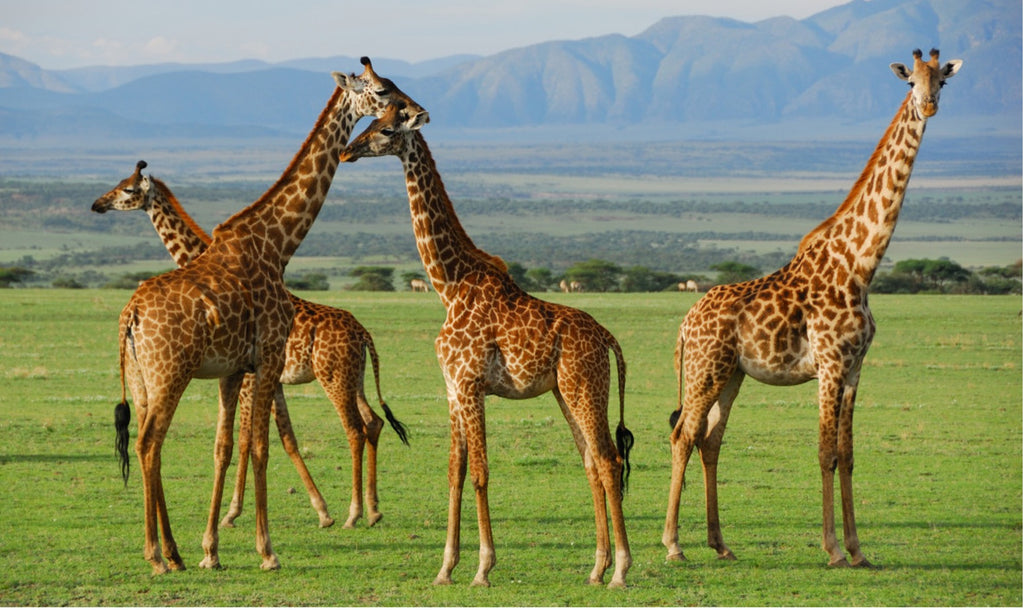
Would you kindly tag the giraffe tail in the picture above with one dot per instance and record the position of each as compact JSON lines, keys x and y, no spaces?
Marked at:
{"x":397,"y":426}
{"x":122,"y":413}
{"x":623,"y":437}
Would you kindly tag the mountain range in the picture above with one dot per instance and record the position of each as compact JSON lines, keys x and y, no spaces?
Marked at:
{"x":687,"y":75}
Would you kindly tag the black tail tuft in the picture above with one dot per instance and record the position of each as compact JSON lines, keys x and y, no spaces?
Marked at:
{"x":624,"y":442}
{"x":122,"y":417}
{"x":398,"y":426}
{"x":673,"y":418}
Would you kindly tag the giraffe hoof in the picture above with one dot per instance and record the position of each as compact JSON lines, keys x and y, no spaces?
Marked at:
{"x":675,"y":557}
{"x":270,"y":563}
{"x":227,"y":522}
{"x":159,"y":568}
{"x":210,"y":563}
{"x":839,"y":563}
{"x":864,"y":563}
{"x":443,"y":580}
{"x":326,"y":522}
{"x":481,"y":581}
{"x":727,"y":555}
{"x":617,"y":584}
{"x":374,"y":519}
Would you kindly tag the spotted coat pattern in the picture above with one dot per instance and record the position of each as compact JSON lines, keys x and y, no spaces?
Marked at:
{"x":808,"y":320}
{"x":497,"y":339}
{"x":325,"y":343}
{"x":226,"y":313}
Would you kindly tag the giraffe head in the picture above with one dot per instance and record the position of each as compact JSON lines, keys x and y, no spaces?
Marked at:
{"x":371,"y":95}
{"x":926,"y":79}
{"x":391,"y":134}
{"x":132,"y":193}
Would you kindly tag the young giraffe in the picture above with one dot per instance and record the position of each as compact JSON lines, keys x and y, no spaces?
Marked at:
{"x":499,"y":340}
{"x":226,"y":314}
{"x":325,"y":344}
{"x":808,"y":320}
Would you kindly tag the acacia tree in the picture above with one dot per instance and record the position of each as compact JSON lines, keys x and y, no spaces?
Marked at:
{"x":10,"y":275}
{"x":595,"y":275}
{"x":731,"y":272}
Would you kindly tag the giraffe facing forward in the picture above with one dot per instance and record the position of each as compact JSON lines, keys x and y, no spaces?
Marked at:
{"x":226,"y":314}
{"x":326,"y":344}
{"x":499,"y":340}
{"x":810,"y":319}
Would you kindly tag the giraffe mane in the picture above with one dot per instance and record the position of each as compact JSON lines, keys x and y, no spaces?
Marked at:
{"x":286,"y":176}
{"x":858,"y":187}
{"x":180,"y":211}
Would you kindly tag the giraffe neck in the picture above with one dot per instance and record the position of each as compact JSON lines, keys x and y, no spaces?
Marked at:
{"x":448,"y":253}
{"x":855,"y":238}
{"x":183,"y":238}
{"x":275,"y":225}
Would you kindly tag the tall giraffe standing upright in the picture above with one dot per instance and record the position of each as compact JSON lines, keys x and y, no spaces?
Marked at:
{"x":325,"y":343}
{"x":226,"y":314}
{"x":497,"y":339}
{"x":810,"y":319}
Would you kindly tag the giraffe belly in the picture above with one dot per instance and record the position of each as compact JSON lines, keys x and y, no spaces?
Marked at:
{"x":782,"y":370}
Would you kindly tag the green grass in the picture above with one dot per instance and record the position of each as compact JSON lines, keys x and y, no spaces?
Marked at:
{"x":937,"y":485}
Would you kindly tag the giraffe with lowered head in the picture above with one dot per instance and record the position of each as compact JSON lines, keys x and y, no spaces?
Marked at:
{"x":326,"y":344}
{"x":226,"y":314}
{"x":808,"y":320}
{"x":499,"y":340}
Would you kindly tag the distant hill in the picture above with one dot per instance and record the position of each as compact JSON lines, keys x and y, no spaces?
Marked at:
{"x":695,"y":76}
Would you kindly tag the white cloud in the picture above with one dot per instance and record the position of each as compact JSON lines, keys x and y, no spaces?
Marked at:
{"x":161,"y":47}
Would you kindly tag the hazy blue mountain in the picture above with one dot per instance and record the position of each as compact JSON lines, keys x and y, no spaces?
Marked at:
{"x":697,"y":74}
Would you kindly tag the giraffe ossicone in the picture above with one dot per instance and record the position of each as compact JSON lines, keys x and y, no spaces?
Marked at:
{"x":808,"y":320}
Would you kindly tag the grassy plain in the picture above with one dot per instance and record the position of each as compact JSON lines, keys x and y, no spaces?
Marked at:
{"x":937,"y":485}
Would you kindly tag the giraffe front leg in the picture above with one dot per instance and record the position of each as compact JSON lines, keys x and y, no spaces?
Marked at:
{"x":827,"y":461}
{"x":845,"y":444}
{"x":479,"y":473}
{"x":245,"y":397}
{"x":456,"y":478}
{"x":229,"y":389}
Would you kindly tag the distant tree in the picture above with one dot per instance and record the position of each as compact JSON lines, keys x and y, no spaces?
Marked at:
{"x":10,"y":275}
{"x":520,"y":275}
{"x":934,"y":274}
{"x":374,"y":279}
{"x":130,"y":281}
{"x":595,"y":275}
{"x":66,"y":281}
{"x":643,"y":279}
{"x":308,"y":281}
{"x":730,"y":272}
{"x":541,"y":278}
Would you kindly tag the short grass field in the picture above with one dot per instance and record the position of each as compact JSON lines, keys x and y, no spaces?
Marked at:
{"x":937,"y":484}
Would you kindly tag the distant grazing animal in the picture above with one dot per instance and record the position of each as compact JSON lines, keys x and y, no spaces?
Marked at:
{"x":808,"y":320}
{"x":499,"y":340}
{"x":418,"y":285}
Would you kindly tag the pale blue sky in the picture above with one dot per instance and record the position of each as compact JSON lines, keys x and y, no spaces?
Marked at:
{"x":59,"y":34}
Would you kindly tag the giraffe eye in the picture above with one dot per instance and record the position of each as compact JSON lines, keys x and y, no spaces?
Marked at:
{"x":387,"y":131}
{"x":382,"y":92}
{"x":129,"y":190}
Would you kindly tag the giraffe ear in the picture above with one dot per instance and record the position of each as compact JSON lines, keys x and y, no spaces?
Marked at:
{"x":145,"y":183}
{"x":901,"y":71}
{"x":348,"y":82}
{"x":417,"y":121}
{"x":951,"y":68}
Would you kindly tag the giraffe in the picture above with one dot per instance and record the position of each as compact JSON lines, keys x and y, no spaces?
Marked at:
{"x":418,"y":285}
{"x":226,"y":314}
{"x":810,"y":319}
{"x":499,"y":340}
{"x":325,"y":343}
